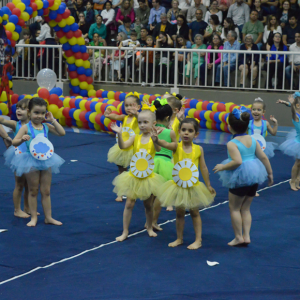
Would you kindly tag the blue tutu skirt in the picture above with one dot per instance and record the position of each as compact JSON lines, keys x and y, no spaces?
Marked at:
{"x":248,"y":173}
{"x":269,"y":151}
{"x":9,"y":154}
{"x":25,"y":163}
{"x":291,"y":146}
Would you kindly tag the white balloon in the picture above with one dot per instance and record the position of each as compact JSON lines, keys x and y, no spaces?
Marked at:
{"x":46,"y":78}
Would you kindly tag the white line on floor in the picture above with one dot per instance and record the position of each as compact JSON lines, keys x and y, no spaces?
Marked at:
{"x":113,"y":242}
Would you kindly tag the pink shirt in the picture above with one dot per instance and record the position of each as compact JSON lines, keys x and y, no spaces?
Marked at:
{"x":119,"y":16}
{"x":217,"y":61}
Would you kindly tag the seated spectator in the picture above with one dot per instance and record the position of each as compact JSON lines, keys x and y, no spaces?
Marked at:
{"x":83,"y":26}
{"x":173,"y":12}
{"x":147,"y":75}
{"x":275,"y":60}
{"x":108,"y":16}
{"x":197,"y":59}
{"x":181,"y":28}
{"x":143,"y":12}
{"x":212,"y":59}
{"x":143,"y":38}
{"x":116,"y":4}
{"x":212,"y":28}
{"x":223,"y":5}
{"x":89,"y":13}
{"x":97,"y":57}
{"x":270,"y":6}
{"x":228,"y":26}
{"x":98,"y":6}
{"x":98,"y":27}
{"x":248,"y":62}
{"x":155,"y":13}
{"x":126,"y":27}
{"x":35,"y":26}
{"x":293,"y":4}
{"x":270,"y":30}
{"x":198,"y":26}
{"x":213,"y":10}
{"x":137,"y":27}
{"x":254,"y":27}
{"x":126,"y":10}
{"x":290,"y":30}
{"x":191,"y":13}
{"x":117,"y":59}
{"x":163,"y":26}
{"x":184,"y":5}
{"x":294,"y":61}
{"x":284,"y":13}
{"x":79,"y":7}
{"x":239,"y":12}
{"x":229,"y":59}
{"x":262,"y":15}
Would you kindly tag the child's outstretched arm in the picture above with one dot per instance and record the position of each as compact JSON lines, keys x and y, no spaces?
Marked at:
{"x":162,"y":143}
{"x":8,"y":123}
{"x":180,"y":114}
{"x":54,"y":127}
{"x":204,"y":172}
{"x":121,"y":143}
{"x":108,"y":114}
{"x":6,"y":138}
{"x":154,"y":136}
{"x":264,"y":159}
{"x":21,"y":136}
{"x":272,"y":130}
{"x":287,"y":103}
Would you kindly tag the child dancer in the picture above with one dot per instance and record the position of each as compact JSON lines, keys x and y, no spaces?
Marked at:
{"x":140,"y":182}
{"x":291,"y":146}
{"x":9,"y":154}
{"x":38,"y":173}
{"x":257,"y":125}
{"x":185,"y":191}
{"x":241,"y":173}
{"x":122,"y":157}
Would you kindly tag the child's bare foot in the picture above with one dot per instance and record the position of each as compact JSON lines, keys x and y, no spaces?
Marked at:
{"x":151,"y":233}
{"x":195,"y":245}
{"x":257,"y":194}
{"x":32,"y":223}
{"x":293,"y":186}
{"x":21,"y":214}
{"x":53,"y":222}
{"x":119,"y":199}
{"x":170,"y":208}
{"x":176,"y":243}
{"x":122,"y":237}
{"x":236,"y":242}
{"x":247,"y":240}
{"x":27,"y":210}
{"x":156,"y":227}
{"x":297,"y":184}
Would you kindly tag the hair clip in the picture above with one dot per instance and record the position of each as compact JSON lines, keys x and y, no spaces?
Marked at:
{"x":136,"y":94}
{"x":146,"y":107}
{"x":238,"y":112}
{"x":188,"y":117}
{"x":297,"y":94}
{"x":259,"y":99}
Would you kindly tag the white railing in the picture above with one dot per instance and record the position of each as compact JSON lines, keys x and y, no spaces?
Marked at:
{"x":169,"y":67}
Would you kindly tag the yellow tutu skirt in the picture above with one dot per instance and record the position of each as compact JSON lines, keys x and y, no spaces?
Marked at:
{"x":134,"y":188}
{"x":195,"y":197}
{"x":119,"y":157}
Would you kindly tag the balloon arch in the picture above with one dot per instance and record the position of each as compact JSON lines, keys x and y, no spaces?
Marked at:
{"x":13,"y":17}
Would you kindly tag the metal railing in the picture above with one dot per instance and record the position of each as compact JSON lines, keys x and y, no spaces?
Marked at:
{"x":170,"y":67}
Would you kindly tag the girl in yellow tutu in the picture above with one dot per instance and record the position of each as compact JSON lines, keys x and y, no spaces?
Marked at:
{"x":121,"y":157}
{"x":140,"y":182}
{"x":185,"y":191}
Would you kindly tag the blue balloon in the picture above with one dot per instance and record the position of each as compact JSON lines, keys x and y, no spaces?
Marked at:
{"x":76,"y":89}
{"x":57,"y":90}
{"x":62,"y":8}
{"x":209,"y":106}
{"x":18,"y":29}
{"x":56,"y":28}
{"x":66,"y":46}
{"x":6,"y":10}
{"x":77,"y":103}
{"x":104,"y":94}
{"x":9,"y":77}
{"x":21,"y":97}
{"x":1,"y":13}
{"x":52,"y":14}
{"x":26,"y":2}
{"x":102,"y":118}
{"x":13,"y":19}
{"x":71,"y":112}
{"x":76,"y":48}
{"x":203,"y":124}
{"x":70,"y":86}
{"x":91,"y":125}
{"x":14,"y":108}
{"x":83,"y":49}
{"x":93,"y":106}
{"x":66,"y":29}
{"x":88,"y":72}
{"x":13,"y":51}
{"x":74,"y":27}
{"x":29,"y":10}
{"x":87,"y":115}
{"x":72,"y":67}
{"x":40,"y":12}
{"x":45,"y":4}
{"x":83,"y":93}
{"x":73,"y":122}
{"x":8,"y":41}
{"x":80,"y":70}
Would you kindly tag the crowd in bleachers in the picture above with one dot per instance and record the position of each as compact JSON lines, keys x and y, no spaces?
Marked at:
{"x":184,"y":24}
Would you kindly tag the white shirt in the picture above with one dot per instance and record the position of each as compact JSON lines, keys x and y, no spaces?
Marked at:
{"x":135,"y":4}
{"x":223,"y":37}
{"x":45,"y":33}
{"x":204,"y":2}
{"x":109,"y":15}
{"x":18,"y":48}
{"x":183,"y":5}
{"x":219,"y":14}
{"x":267,"y":32}
{"x":295,"y":57}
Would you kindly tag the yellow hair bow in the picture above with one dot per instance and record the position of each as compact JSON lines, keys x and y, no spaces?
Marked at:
{"x":146,"y":107}
{"x":136,"y":94}
{"x":193,"y":118}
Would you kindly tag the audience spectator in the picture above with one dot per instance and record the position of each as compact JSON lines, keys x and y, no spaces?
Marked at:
{"x":98,"y":27}
{"x":147,"y":75}
{"x":213,"y":10}
{"x":290,"y":30}
{"x":248,"y":62}
{"x":116,"y":5}
{"x":198,"y":26}
{"x":163,"y":26}
{"x":143,"y":13}
{"x":212,"y":59}
{"x":184,"y":5}
{"x":181,"y":28}
{"x":228,"y":26}
{"x":108,"y":16}
{"x":143,"y":38}
{"x":223,"y":5}
{"x":79,"y":7}
{"x":126,"y":27}
{"x":21,"y":54}
{"x":262,"y":15}
{"x":293,"y":4}
{"x":270,"y":6}
{"x":126,"y":10}
{"x":117,"y":60}
{"x":212,"y":28}
{"x":137,"y":27}
{"x":35,"y":26}
{"x":191,"y":13}
{"x":229,"y":59}
{"x":294,"y":60}
{"x":71,"y":6}
{"x":254,"y":27}
{"x":270,"y":30}
{"x":275,"y":61}
{"x":197,"y":59}
{"x":155,"y":13}
{"x":89,"y":13}
{"x":284,"y":13}
{"x":173,"y":12}
{"x":99,"y":5}
{"x":239,"y":12}
{"x":83,"y":26}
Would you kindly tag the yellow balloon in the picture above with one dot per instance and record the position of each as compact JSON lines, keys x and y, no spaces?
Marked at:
{"x":34,"y":14}
{"x":5,"y":17}
{"x":82,"y":104}
{"x":53,"y":108}
{"x":70,"y":20}
{"x":98,"y":107}
{"x":21,"y":6}
{"x":4,"y":108}
{"x":78,"y":97}
{"x":76,"y":114}
{"x":3,"y":97}
{"x":25,"y":16}
{"x":52,"y":23}
{"x":54,"y":6}
{"x":91,"y":93}
{"x":75,"y":81}
{"x":63,"y":40}
{"x":62,"y":23}
{"x":86,"y":64}
{"x":80,"y":41}
{"x":1,"y":20}
{"x":15,"y":36}
{"x":28,"y":97}
{"x":66,"y":102}
{"x":10,"y":84}
{"x":90,"y":87}
{"x":72,"y":41}
{"x":79,"y":124}
{"x":97,"y":127}
{"x":106,"y":122}
{"x":10,"y":27}
{"x":92,"y":117}
{"x":39,"y":4}
{"x":62,"y":121}
{"x":71,"y":60}
{"x":15,"y":2}
{"x":79,"y":62}
{"x":83,"y":85}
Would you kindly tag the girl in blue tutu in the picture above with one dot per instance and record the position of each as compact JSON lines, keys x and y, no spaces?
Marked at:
{"x":39,"y":161}
{"x":121,"y":157}
{"x":291,"y":146}
{"x":247,"y":166}
{"x":11,"y":152}
{"x":140,"y":182}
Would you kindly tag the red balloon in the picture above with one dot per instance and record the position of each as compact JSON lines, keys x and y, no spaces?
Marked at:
{"x":33,"y":6}
{"x":21,"y":22}
{"x":65,"y":112}
{"x":97,"y":119}
{"x":78,"y":55}
{"x":51,"y":2}
{"x":87,"y":105}
{"x":16,"y":12}
{"x":116,"y":103}
{"x":89,"y":80}
{"x":13,"y":43}
{"x":82,"y":116}
{"x":82,"y":77}
{"x":53,"y":99}
{"x":69,"y":122}
{"x":98,"y":94}
{"x":47,"y":19}
{"x":66,"y":14}
{"x":78,"y":33}
{"x":8,"y":34}
{"x":69,"y":53}
{"x":58,"y":18}
{"x":44,"y":93}
{"x":86,"y":125}
{"x":73,"y":74}
{"x":85,"y":56}
{"x":11,"y":6}
{"x":60,"y":33}
{"x":69,"y":34}
{"x":46,"y":11}
{"x":72,"y":103}
{"x":117,"y":95}
{"x":14,"y":98}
